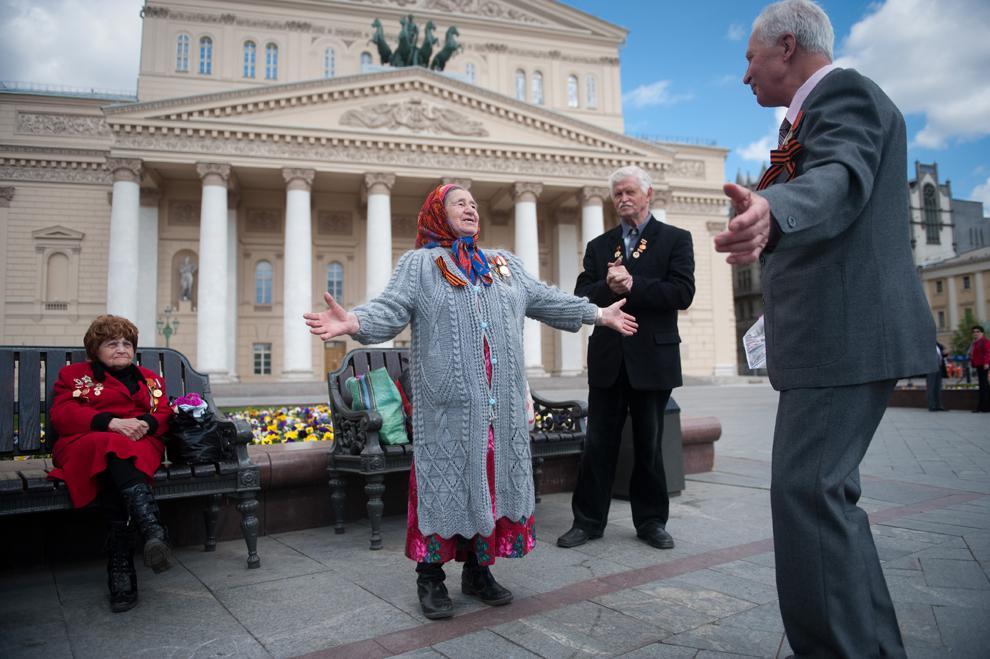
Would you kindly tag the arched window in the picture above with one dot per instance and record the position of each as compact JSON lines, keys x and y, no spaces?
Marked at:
{"x":335,"y":280}
{"x":572,"y":91}
{"x":931,"y":215}
{"x":182,"y":52}
{"x":537,"y":88}
{"x":250,"y":57}
{"x":57,"y":278}
{"x":263,"y":283}
{"x":590,"y":91}
{"x":329,"y":63}
{"x":206,"y":56}
{"x":520,"y":85}
{"x":471,"y":72}
{"x":365,"y":61}
{"x":271,"y":62}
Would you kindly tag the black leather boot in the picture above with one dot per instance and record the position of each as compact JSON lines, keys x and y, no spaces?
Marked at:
{"x":433,"y":596}
{"x":478,"y":581}
{"x":144,"y":514}
{"x":121,"y":577}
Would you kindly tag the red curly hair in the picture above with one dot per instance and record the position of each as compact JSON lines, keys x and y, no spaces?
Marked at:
{"x":106,"y":327}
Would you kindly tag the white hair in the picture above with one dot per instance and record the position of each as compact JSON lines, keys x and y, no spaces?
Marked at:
{"x":644,"y":180}
{"x":803,"y":18}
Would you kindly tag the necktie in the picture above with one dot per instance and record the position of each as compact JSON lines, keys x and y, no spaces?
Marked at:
{"x":785,"y":127}
{"x":631,"y":241}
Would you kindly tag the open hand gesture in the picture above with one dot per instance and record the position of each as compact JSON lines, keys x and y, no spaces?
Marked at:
{"x":614,"y":317}
{"x":749,"y":231}
{"x":333,"y":322}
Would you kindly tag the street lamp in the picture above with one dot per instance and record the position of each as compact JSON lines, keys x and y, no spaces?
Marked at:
{"x":168,"y":327}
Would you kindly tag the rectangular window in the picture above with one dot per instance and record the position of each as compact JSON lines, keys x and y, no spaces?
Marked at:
{"x":938,"y":286}
{"x":965,"y":282}
{"x":262,"y":358}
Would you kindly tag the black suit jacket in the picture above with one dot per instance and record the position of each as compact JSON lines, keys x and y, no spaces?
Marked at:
{"x":663,"y":283}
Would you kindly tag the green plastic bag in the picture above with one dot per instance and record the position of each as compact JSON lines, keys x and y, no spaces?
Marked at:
{"x":376,"y":391}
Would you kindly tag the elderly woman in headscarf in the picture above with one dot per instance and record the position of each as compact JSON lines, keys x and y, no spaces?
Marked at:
{"x":110,"y":415}
{"x":471,"y":488}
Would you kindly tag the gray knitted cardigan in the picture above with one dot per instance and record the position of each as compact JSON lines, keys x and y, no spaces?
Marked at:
{"x":452,"y":402}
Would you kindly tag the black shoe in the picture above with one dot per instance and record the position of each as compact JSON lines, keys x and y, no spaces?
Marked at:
{"x":144,"y":512}
{"x":434,"y":599}
{"x":121,"y":576}
{"x":656,"y":535}
{"x":576,"y":537}
{"x":478,"y":581}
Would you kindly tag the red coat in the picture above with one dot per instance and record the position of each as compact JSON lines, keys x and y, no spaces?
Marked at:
{"x":981,"y":352}
{"x":80,"y":454}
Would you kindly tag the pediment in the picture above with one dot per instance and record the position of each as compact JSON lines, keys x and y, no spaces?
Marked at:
{"x":58,"y":232}
{"x":399,"y":105}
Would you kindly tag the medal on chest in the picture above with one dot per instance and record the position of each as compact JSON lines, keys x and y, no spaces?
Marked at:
{"x":155,"y":391}
{"x":500,"y":266}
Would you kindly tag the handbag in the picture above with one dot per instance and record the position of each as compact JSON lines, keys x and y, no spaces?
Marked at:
{"x":376,"y":391}
{"x":195,"y":435}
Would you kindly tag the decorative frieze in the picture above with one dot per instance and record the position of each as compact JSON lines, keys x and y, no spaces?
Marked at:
{"x":697,"y":205}
{"x":415,"y":115}
{"x":264,"y":220}
{"x":183,"y":212}
{"x":688,"y":169}
{"x":64,"y":125}
{"x":54,"y":172}
{"x":473,"y":8}
{"x":541,"y":55}
{"x":334,"y":223}
{"x":6,"y":195}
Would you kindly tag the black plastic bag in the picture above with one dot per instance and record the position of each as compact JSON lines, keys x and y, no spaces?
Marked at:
{"x":195,"y":440}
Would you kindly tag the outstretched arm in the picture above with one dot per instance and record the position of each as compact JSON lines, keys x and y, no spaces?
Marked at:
{"x":334,"y":321}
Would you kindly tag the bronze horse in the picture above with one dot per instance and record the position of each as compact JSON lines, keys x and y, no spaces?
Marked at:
{"x":450,"y":46}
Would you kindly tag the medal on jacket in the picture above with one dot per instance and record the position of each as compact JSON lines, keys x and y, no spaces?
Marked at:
{"x":501,"y":266}
{"x":640,"y":248}
{"x":156,"y":392}
{"x":618,"y":251}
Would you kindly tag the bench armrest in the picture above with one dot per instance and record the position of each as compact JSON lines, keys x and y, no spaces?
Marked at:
{"x":355,"y":432}
{"x":563,"y":416}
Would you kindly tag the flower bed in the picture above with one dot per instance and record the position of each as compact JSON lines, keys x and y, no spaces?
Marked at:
{"x":288,"y":424}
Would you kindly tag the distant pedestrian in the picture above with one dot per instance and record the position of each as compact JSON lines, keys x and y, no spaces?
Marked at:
{"x":845,"y":317}
{"x":979,"y":359}
{"x":934,"y":381}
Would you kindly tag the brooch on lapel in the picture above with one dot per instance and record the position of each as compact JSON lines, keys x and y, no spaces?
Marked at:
{"x":640,"y":248}
{"x":501,"y":266}
{"x":156,"y":392}
{"x":84,"y":385}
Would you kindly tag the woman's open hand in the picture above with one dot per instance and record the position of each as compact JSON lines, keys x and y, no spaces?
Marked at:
{"x":614,"y":317}
{"x":333,"y":322}
{"x":133,"y":429}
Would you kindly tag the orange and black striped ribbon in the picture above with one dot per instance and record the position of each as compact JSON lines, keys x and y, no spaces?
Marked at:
{"x":451,"y":278}
{"x":784,"y":158}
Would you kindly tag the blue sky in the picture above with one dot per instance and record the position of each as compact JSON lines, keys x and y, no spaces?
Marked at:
{"x":683,"y":63}
{"x":681,"y":68}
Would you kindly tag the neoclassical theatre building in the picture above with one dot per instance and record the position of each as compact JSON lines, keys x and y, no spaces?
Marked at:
{"x":269,"y":156}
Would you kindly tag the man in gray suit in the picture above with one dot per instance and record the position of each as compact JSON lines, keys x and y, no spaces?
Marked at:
{"x":844,"y":314}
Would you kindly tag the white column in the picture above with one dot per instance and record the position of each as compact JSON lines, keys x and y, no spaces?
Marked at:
{"x":569,"y":344}
{"x":147,"y":312}
{"x":297,"y":293}
{"x":211,"y":313}
{"x":723,"y":309}
{"x":232,"y":263}
{"x":592,"y":213}
{"x":123,"y":264}
{"x":661,"y":199}
{"x":6,"y":196}
{"x":953,"y":303}
{"x":981,"y":298}
{"x":527,"y":248}
{"x":378,"y":241}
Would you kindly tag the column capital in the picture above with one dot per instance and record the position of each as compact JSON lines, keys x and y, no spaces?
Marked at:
{"x":378,"y":183}
{"x":591,"y":195}
{"x":6,"y":195}
{"x":661,"y":197}
{"x":298,"y":179}
{"x":526,"y":191}
{"x":460,"y":182}
{"x":125,"y":169}
{"x":213,"y":173}
{"x":150,"y":197}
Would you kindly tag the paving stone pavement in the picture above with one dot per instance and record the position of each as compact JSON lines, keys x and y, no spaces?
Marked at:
{"x":925,"y":486}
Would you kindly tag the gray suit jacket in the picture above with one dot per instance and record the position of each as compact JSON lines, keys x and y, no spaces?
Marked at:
{"x":843,"y":301}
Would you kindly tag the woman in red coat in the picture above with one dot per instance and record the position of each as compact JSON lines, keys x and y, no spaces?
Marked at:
{"x":110,"y":415}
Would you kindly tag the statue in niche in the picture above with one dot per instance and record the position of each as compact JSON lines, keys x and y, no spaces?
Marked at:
{"x":407,"y":52}
{"x":186,"y":272}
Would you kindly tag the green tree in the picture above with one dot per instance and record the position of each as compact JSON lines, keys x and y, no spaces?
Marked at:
{"x":962,"y":338}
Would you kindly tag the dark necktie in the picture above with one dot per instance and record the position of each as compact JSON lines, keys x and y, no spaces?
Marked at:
{"x":785,"y":127}
{"x":631,"y":241}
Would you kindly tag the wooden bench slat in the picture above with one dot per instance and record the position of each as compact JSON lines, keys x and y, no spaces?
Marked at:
{"x":6,"y":403}
{"x":29,"y":401}
{"x":172,"y":372}
{"x":36,"y":480}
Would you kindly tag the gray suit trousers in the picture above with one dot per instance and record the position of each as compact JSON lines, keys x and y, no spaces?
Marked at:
{"x":833,"y":596}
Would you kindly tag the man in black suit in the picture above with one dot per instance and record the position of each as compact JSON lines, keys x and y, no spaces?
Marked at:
{"x":651,"y":265}
{"x":845,"y":317}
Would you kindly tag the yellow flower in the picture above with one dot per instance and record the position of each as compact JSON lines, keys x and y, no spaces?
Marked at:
{"x":291,"y":434}
{"x":327,"y":436}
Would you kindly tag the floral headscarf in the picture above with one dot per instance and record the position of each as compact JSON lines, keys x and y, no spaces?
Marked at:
{"x":433,"y":230}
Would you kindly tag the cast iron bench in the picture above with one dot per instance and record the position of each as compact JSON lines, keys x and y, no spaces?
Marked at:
{"x":560,"y":430}
{"x":27,"y":378}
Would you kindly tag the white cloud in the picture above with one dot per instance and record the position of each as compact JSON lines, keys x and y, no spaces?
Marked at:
{"x":736,"y":32}
{"x":982,"y":193}
{"x":759,"y":150}
{"x":931,"y":58}
{"x":652,"y":95}
{"x":77,"y":43}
